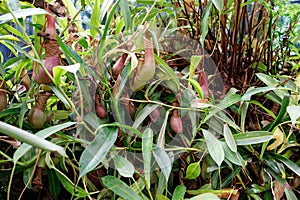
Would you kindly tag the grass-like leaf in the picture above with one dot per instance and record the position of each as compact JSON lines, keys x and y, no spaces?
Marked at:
{"x":163,"y":161}
{"x":125,"y":10}
{"x":24,"y":148}
{"x":294,"y":112}
{"x":22,"y":13}
{"x":205,"y":196}
{"x":147,"y":110}
{"x":233,"y":157}
{"x":69,"y":185}
{"x":124,"y":167}
{"x":30,"y":138}
{"x":218,"y":4}
{"x":291,"y":165}
{"x":53,"y":184}
{"x":147,"y":141}
{"x":214,"y":147}
{"x":254,"y":137}
{"x":229,"y":138}
{"x":95,"y":19}
{"x":228,"y":101}
{"x":120,"y":188}
{"x":97,"y":149}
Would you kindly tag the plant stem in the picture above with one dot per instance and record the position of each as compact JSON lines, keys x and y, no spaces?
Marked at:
{"x":10,"y":181}
{"x":71,"y":21}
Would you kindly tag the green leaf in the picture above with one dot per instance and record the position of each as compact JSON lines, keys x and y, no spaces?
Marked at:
{"x":71,"y":68}
{"x":162,"y":184}
{"x":291,"y":165}
{"x":14,"y":31}
{"x":138,"y":185}
{"x":253,"y":91}
{"x":92,"y":119}
{"x":147,"y":110}
{"x":96,"y":151}
{"x":179,"y":192}
{"x":228,"y":101}
{"x":72,"y":11}
{"x":69,"y":186}
{"x":124,"y":167}
{"x":110,"y":16}
{"x":58,"y":114}
{"x":290,"y":195}
{"x":9,"y":37}
{"x":58,"y":93}
{"x":271,"y":82}
{"x":120,"y":188}
{"x":284,"y":104}
{"x":253,"y":137}
{"x":214,"y":147}
{"x":171,"y":80}
{"x":147,"y":141}
{"x":22,"y":13}
{"x":95,"y":19}
{"x":57,"y":74}
{"x":161,"y":197}
{"x":161,"y":136}
{"x":70,"y":53}
{"x":193,"y":170}
{"x":294,"y":112}
{"x":125,"y":10}
{"x":205,"y":196}
{"x":198,"y":89}
{"x":24,"y":148}
{"x":195,"y":60}
{"x":233,"y":157}
{"x":163,"y":161}
{"x":22,"y":113}
{"x":54,"y":184}
{"x":218,"y":4}
{"x":262,"y":107}
{"x":204,"y":22}
{"x":30,"y":139}
{"x":229,"y":138}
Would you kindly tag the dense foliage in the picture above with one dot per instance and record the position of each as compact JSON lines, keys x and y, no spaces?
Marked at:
{"x":149,"y":99}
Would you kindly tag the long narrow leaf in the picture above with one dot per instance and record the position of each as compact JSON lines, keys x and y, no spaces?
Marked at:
{"x":69,"y":185}
{"x":125,"y":10}
{"x":163,"y":161}
{"x":143,"y":114}
{"x":284,"y":104}
{"x":205,"y":196}
{"x":95,"y":19}
{"x":291,"y":165}
{"x":22,"y":13}
{"x":124,"y":167}
{"x":24,"y":148}
{"x":147,"y":141}
{"x":214,"y":147}
{"x":229,"y":138}
{"x":218,"y":4}
{"x":254,"y":137}
{"x":30,"y":138}
{"x":204,"y":24}
{"x":120,"y":188}
{"x":97,"y":150}
{"x":228,"y":101}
